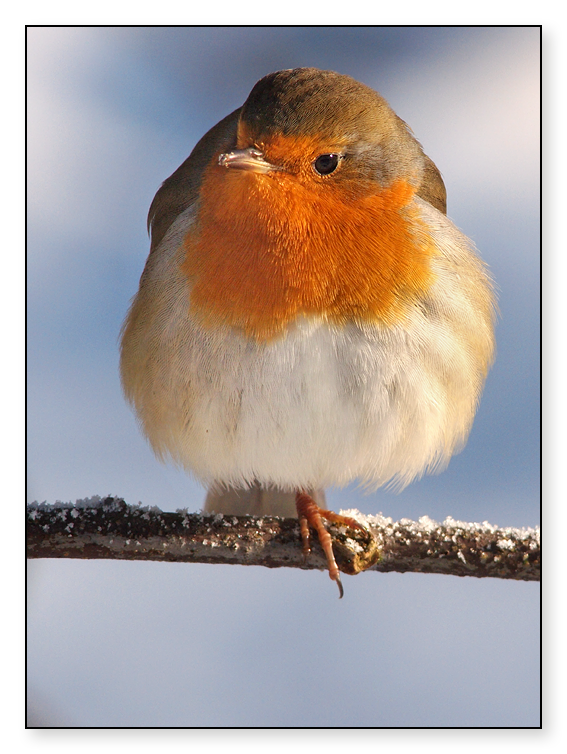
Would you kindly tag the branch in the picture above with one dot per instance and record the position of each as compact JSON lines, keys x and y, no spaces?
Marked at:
{"x":112,"y":529}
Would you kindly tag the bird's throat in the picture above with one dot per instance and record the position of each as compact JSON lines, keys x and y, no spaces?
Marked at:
{"x":267,"y":249}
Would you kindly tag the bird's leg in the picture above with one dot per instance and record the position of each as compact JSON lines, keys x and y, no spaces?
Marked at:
{"x":311,"y":515}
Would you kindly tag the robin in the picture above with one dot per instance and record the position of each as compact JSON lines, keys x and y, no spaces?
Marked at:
{"x":307,"y":315}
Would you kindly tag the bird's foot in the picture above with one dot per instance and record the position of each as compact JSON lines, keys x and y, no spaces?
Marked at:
{"x":310,"y":515}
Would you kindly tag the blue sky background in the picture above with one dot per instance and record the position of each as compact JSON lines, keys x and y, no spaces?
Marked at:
{"x":111,"y":113}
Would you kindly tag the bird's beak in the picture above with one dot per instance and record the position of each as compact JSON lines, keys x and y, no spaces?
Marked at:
{"x":247,"y":159}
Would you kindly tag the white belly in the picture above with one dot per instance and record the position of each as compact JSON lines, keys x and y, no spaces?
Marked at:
{"x":325,"y":404}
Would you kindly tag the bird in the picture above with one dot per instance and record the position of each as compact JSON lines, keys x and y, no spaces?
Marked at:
{"x":308,"y":315}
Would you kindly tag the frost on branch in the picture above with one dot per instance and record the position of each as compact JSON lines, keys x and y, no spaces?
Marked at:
{"x":109,"y":528}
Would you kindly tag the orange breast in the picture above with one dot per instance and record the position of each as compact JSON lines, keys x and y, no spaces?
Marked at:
{"x":268,"y":248}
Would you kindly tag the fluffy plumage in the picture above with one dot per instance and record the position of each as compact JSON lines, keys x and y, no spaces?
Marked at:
{"x":295,"y":331}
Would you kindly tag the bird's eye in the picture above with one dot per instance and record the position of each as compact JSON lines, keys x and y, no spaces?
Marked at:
{"x":326,"y":163}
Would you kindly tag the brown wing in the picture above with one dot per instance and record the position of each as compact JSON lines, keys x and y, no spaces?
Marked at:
{"x":432,"y":188}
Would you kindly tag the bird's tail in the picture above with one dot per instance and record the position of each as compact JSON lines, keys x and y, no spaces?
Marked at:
{"x":256,"y":501}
